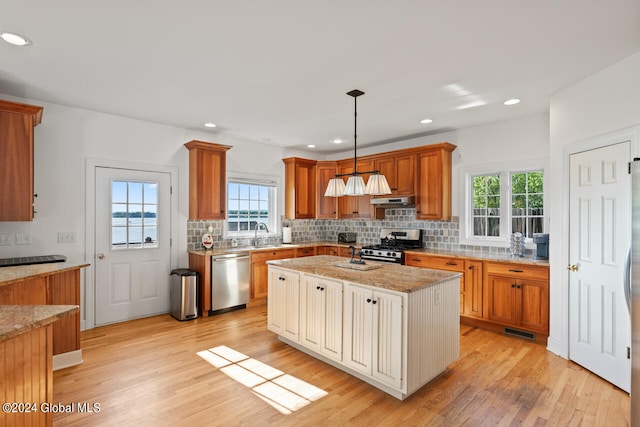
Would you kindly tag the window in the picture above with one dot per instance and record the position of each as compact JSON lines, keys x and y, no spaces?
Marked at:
{"x":134,"y":214}
{"x":501,"y":203}
{"x":250,"y":202}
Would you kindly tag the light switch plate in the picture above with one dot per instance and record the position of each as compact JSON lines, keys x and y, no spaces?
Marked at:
{"x":5,"y":239}
{"x":66,"y":236}
{"x":23,"y":239}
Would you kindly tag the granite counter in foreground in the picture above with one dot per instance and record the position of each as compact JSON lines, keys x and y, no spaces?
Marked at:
{"x":20,"y":272}
{"x":19,"y":319}
{"x":394,"y":277}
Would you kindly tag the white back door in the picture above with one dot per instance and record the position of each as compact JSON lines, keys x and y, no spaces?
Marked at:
{"x":132,"y":244}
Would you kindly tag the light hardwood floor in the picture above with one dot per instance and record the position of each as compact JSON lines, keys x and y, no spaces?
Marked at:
{"x":147,"y":372}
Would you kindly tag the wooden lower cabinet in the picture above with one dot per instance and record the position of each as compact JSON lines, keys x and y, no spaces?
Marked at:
{"x":260,"y":270}
{"x":470,"y":282}
{"x":518,"y":296}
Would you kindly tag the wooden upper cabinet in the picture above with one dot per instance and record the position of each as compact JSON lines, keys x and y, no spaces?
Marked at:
{"x":355,"y":206}
{"x":207,"y":180}
{"x":326,"y":207}
{"x":16,"y":160}
{"x":400,"y":172}
{"x":299,"y":188}
{"x":433,"y":195}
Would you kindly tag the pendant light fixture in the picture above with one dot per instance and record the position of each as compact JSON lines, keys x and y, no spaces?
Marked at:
{"x":377,"y":183}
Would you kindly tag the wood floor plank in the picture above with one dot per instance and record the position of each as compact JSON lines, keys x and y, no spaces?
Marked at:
{"x":148,"y":372}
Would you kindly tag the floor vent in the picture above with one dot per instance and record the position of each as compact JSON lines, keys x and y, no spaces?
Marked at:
{"x":520,"y":334}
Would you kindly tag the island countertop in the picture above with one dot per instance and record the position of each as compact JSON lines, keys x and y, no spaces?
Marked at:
{"x":394,"y":277}
{"x":13,"y":274}
{"x":18,"y":319}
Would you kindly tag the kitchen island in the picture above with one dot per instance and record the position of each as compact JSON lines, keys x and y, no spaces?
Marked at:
{"x":395,"y":327}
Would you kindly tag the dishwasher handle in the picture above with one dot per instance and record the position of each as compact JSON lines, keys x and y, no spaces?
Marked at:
{"x":229,"y":257}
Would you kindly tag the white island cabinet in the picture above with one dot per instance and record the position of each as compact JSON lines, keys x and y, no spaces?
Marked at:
{"x":395,"y":327}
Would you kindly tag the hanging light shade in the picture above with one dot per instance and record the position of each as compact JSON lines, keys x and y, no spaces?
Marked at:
{"x":377,"y":184}
{"x":335,"y":188}
{"x":355,"y":186}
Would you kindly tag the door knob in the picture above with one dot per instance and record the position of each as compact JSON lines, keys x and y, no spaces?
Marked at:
{"x":100,"y":256}
{"x":573,"y":268}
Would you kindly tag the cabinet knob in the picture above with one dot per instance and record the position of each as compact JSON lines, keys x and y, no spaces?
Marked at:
{"x":317,"y":288}
{"x":471,"y":267}
{"x":374,"y":302}
{"x":513,"y":285}
{"x":368,"y":299}
{"x":518,"y":286}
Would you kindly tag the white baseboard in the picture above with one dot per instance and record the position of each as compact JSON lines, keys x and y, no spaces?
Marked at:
{"x":66,"y":360}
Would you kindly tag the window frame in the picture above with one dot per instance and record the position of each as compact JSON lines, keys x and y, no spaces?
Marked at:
{"x":274,"y":184}
{"x":504,"y":170}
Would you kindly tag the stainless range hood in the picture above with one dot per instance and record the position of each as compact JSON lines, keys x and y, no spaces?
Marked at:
{"x":394,"y":202}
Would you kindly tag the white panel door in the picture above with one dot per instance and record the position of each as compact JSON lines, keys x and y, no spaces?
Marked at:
{"x":599,"y":322}
{"x":132,"y":245}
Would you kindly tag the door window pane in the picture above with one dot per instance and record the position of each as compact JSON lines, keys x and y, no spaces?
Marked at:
{"x":134,"y":214}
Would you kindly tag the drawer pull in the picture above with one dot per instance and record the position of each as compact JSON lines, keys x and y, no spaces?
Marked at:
{"x":451,"y":263}
{"x":515,"y":270}
{"x":416,"y":259}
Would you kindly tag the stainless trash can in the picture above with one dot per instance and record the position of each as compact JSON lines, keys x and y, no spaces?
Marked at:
{"x":183,"y":294}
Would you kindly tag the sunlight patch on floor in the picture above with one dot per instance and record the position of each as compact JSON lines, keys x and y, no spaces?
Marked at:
{"x":284,"y":392}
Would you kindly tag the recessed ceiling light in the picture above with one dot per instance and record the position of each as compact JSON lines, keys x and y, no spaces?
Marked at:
{"x":210,"y":125}
{"x":338,"y":141}
{"x":426,"y":121}
{"x":311,"y":146}
{"x":512,"y":101}
{"x":15,"y":39}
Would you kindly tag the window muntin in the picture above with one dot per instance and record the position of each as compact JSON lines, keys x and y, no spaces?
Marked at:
{"x":249,"y":203}
{"x":134,"y":214}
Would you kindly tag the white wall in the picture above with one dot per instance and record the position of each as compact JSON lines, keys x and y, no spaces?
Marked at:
{"x":603,"y":103}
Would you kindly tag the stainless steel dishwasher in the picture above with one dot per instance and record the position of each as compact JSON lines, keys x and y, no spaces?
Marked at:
{"x":230,"y":280}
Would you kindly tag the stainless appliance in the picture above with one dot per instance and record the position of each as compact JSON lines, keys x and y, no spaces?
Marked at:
{"x":632,"y":291}
{"x":230,"y":280}
{"x":183,"y":294}
{"x":394,"y":202}
{"x":393,"y":242}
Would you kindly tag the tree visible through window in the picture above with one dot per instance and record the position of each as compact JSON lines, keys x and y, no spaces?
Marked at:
{"x":486,"y":205}
{"x":527,"y":210}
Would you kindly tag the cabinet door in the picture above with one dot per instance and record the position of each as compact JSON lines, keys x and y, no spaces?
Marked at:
{"x":326,"y":207}
{"x":501,"y":304}
{"x":300,"y":188}
{"x":332,"y":310}
{"x":473,"y":288}
{"x":259,"y":279}
{"x":283,"y":312}
{"x":358,"y":328}
{"x":533,"y":309}
{"x":207,"y":180}
{"x":405,"y":175}
{"x":311,"y":312}
{"x":433,"y":198}
{"x":16,"y":160}
{"x":387,"y":338}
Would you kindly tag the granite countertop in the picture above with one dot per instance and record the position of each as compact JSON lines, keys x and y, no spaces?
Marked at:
{"x":18,"y":319}
{"x":218,"y":251}
{"x":13,"y":274}
{"x":394,"y":277}
{"x":477,"y":255}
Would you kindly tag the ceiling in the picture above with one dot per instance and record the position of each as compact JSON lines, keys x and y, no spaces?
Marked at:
{"x":277,"y":71}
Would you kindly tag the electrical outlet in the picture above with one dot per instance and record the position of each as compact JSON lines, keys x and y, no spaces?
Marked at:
{"x":5,"y":239}
{"x":23,"y":239}
{"x":66,"y":236}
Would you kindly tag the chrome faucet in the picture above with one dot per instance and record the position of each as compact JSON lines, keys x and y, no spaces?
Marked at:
{"x":255,"y":235}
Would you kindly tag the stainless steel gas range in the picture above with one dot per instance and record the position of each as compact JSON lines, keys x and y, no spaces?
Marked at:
{"x":393,"y":243}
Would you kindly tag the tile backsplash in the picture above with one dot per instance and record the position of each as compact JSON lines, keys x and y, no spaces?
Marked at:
{"x":442,"y":235}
